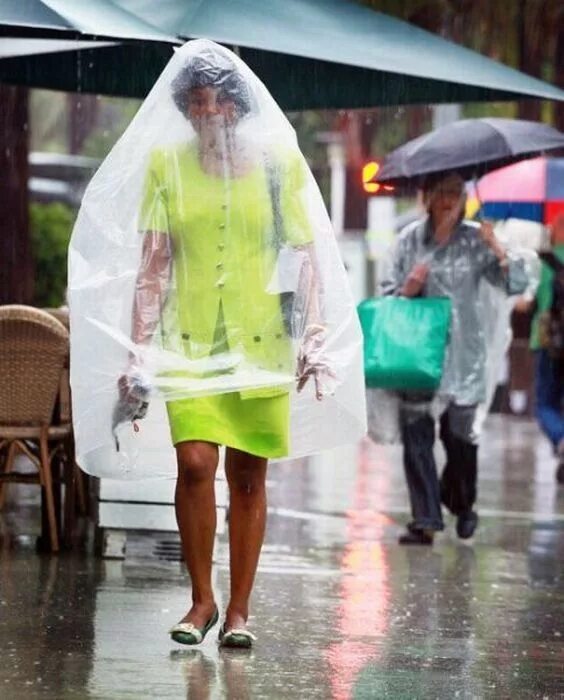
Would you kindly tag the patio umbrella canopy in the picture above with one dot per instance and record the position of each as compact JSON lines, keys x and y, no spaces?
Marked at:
{"x":17,"y":46}
{"x":532,"y":189}
{"x":56,"y":44}
{"x":67,"y":19}
{"x":310,"y":53}
{"x":471,"y":147}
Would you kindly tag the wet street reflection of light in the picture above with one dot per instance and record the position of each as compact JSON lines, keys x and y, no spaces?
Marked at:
{"x":363,"y":610}
{"x":340,"y":609}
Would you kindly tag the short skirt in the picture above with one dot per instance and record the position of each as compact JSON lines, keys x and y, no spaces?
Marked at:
{"x":258,"y":426}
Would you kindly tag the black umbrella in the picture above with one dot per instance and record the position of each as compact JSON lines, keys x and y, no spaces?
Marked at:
{"x":470,"y":147}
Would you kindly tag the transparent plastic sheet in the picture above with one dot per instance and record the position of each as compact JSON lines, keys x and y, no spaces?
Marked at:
{"x":203,"y":262}
{"x":497,"y":308}
{"x":382,"y":412}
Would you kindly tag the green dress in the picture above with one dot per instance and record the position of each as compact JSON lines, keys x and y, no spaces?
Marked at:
{"x":223,"y":259}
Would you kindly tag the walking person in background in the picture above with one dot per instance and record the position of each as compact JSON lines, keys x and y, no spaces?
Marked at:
{"x":547,"y":342}
{"x":445,"y":256}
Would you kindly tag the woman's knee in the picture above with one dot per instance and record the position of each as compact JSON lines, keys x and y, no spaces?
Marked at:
{"x":247,"y":476}
{"x":197,"y":462}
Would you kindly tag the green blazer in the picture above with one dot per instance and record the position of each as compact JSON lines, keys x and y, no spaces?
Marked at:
{"x":223,"y":254}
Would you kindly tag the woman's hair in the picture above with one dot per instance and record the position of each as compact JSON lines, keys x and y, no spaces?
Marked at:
{"x":211,"y":69}
{"x":431,"y":181}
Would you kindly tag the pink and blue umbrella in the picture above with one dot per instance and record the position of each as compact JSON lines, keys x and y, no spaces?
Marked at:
{"x":531,"y":189}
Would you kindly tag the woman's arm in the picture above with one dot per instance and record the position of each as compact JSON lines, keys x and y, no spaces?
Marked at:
{"x":152,"y":286}
{"x":499,"y":268}
{"x":151,"y":290}
{"x":310,"y":286}
{"x":403,"y":276}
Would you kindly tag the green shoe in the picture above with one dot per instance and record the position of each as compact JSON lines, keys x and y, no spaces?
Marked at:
{"x":236,"y":638}
{"x":188,"y":633}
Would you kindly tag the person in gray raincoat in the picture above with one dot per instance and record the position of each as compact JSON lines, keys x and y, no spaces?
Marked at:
{"x":445,"y":256}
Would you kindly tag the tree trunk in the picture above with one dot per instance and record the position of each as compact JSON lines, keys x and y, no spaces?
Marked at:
{"x":530,"y":56}
{"x":559,"y":73}
{"x":350,"y":124}
{"x":16,"y":261}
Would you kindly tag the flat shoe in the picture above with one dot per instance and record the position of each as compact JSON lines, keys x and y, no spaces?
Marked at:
{"x":188,"y":633}
{"x":236,"y":638}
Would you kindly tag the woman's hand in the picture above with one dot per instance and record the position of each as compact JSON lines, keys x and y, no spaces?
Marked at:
{"x":487,"y":234}
{"x":133,"y":398}
{"x":133,"y":395}
{"x":133,"y":384}
{"x":313,"y":362}
{"x":415,"y":280}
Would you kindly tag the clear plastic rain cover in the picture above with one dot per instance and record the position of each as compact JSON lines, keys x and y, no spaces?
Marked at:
{"x":203,"y":262}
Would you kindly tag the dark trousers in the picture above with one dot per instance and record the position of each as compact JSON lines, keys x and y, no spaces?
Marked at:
{"x":549,"y":397}
{"x":457,"y":487}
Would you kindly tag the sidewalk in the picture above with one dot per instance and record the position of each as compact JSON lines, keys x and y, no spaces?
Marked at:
{"x":341,"y":611}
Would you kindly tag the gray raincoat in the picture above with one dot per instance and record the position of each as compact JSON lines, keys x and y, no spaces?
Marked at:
{"x":456,"y":271}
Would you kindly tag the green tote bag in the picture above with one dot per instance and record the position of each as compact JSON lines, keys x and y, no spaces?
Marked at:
{"x":404,"y":342}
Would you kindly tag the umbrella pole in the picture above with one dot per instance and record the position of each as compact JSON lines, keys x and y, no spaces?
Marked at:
{"x":479,"y":216}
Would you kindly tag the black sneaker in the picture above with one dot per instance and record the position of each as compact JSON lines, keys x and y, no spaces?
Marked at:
{"x":414,"y":536}
{"x":466,"y":524}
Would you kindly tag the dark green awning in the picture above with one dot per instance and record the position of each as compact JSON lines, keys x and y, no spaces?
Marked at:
{"x":341,"y":54}
{"x":310,"y":53}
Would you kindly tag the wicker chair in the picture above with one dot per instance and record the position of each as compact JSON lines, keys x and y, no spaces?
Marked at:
{"x":33,"y":351}
{"x":64,"y":416}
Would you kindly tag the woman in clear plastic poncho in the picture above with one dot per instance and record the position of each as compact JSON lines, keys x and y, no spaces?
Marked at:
{"x":206,"y":221}
{"x":445,"y":256}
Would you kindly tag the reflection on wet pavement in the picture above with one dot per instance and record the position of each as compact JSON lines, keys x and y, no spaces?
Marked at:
{"x":341,"y":611}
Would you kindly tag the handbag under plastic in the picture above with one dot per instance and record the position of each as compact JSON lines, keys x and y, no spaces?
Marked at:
{"x":404,"y":342}
{"x":203,"y":262}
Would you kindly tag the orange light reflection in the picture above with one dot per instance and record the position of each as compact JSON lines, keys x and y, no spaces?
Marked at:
{"x":363,"y":615}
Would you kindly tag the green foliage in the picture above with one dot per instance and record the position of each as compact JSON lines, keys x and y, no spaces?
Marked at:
{"x":475,"y":110}
{"x":50,"y":228}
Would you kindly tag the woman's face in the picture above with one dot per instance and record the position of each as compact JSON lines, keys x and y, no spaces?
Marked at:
{"x":446,"y":199}
{"x":208,"y":110}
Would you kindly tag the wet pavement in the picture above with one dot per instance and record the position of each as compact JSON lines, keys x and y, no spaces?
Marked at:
{"x":341,"y":611}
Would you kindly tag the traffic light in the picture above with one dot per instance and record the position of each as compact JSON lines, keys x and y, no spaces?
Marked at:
{"x":369,"y":172}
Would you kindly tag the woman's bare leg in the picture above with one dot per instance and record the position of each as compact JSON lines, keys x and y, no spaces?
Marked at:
{"x":196,"y":517}
{"x":246,"y":475}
